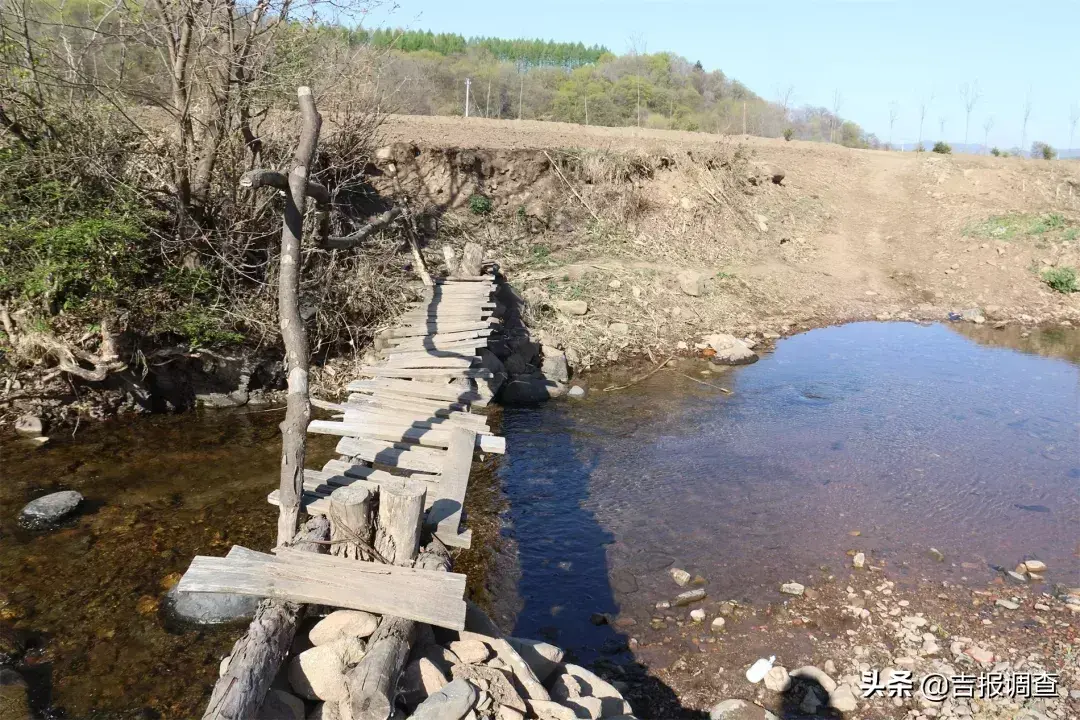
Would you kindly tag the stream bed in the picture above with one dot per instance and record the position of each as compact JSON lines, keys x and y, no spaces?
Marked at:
{"x":907,"y":437}
{"x":960,"y":438}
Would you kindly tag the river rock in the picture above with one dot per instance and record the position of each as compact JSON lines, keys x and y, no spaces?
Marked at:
{"x":280,"y":705}
{"x":859,"y":561}
{"x":777,"y":679}
{"x":1007,"y":604}
{"x":680,"y":576}
{"x":587,"y":707}
{"x":14,"y":701}
{"x":573,"y":307}
{"x":453,"y":702}
{"x":209,"y":608}
{"x":697,"y":614}
{"x":543,"y":658}
{"x":843,"y":699}
{"x":730,"y":350}
{"x":979,"y":654}
{"x":29,"y":426}
{"x":343,"y":623}
{"x":529,"y":391}
{"x":496,"y":682}
{"x":592,"y":685}
{"x":472,"y":651}
{"x":718,"y":624}
{"x":1035,"y":566}
{"x":326,"y":711}
{"x":421,"y":678}
{"x":690,"y":596}
{"x":816,"y":674}
{"x":739,"y":710}
{"x":319,"y":673}
{"x":556,"y":368}
{"x":49,"y":509}
{"x":793,"y":588}
{"x":551,"y":710}
{"x":973,"y":315}
{"x":576,"y":392}
{"x":691,"y":283}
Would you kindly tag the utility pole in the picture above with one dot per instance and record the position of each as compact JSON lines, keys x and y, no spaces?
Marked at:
{"x":521,"y":94}
{"x":468,"y":84}
{"x":639,"y":102}
{"x":487,"y":102}
{"x":586,"y":108}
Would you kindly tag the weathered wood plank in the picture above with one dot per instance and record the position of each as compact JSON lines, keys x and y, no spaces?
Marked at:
{"x":436,"y":341}
{"x":440,"y":328}
{"x":403,"y":432}
{"x":427,"y":360}
{"x":421,"y":595}
{"x":466,"y":348}
{"x":468,"y":303}
{"x":415,"y":418}
{"x":426,"y":373}
{"x":458,"y":417}
{"x":383,"y":452}
{"x":446,"y":511}
{"x":418,"y":389}
{"x":406,"y":402}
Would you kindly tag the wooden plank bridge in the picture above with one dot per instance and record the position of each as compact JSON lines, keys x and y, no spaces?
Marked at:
{"x":409,"y":432}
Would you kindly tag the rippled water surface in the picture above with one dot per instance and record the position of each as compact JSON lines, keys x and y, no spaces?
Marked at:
{"x":912,"y":436}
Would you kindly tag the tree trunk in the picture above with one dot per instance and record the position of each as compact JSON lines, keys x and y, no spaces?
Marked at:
{"x":257,"y":656}
{"x":373,"y":682}
{"x":298,"y":409}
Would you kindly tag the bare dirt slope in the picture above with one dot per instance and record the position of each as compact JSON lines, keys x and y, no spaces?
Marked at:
{"x":847,"y":234}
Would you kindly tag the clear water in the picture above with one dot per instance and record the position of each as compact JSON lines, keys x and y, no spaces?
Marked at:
{"x":914,"y":436}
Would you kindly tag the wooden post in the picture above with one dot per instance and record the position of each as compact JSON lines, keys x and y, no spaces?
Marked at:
{"x":257,"y":656}
{"x":373,"y":682}
{"x":293,"y":334}
{"x":351,"y":530}
{"x":401,"y":516}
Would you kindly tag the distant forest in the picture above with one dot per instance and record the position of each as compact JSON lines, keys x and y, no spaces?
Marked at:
{"x":424,"y":73}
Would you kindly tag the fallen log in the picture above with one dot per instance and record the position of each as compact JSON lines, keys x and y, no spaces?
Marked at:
{"x":257,"y":656}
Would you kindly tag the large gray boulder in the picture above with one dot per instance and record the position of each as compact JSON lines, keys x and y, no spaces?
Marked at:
{"x":555,"y":367}
{"x":730,"y":350}
{"x":530,"y":391}
{"x":739,"y":710}
{"x":209,"y":608}
{"x":29,"y":426}
{"x":453,"y":702}
{"x":49,"y":509}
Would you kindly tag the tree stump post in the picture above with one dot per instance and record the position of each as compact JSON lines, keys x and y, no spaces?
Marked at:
{"x":351,"y":530}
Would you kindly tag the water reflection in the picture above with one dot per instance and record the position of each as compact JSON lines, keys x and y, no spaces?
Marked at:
{"x":910,"y":436}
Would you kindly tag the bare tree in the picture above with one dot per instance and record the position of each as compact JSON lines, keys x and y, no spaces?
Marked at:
{"x":970,"y":95}
{"x":1027,"y":115}
{"x":783,"y":99}
{"x":894,"y":112}
{"x":923,"y":105}
{"x":986,"y":133}
{"x":941,"y":127}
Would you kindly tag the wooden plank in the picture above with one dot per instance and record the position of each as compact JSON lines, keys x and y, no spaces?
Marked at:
{"x":422,"y":342}
{"x":439,"y":328}
{"x":404,"y":402}
{"x":402,"y":432}
{"x":461,"y":347}
{"x":423,"y":373}
{"x":453,"y":304}
{"x":446,"y":511}
{"x":427,"y":360}
{"x":388,"y":414}
{"x":436,"y":598}
{"x":406,"y":388}
{"x":384,"y":452}
{"x":463,"y":279}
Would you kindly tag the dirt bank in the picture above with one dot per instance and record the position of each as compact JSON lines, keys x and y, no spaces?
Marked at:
{"x":667,"y":235}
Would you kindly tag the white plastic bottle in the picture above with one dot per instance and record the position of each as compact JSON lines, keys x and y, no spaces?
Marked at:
{"x":760,"y":669}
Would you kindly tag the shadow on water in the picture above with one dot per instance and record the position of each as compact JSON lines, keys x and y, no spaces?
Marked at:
{"x":565,"y":587}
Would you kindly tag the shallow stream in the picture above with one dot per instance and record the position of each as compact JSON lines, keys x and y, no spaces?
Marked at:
{"x":959,"y":438}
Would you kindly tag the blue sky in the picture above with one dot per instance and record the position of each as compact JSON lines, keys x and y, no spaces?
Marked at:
{"x":874,"y":52}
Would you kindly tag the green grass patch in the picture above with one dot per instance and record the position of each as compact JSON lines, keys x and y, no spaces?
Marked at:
{"x":1020,"y":225}
{"x":1061,"y":279}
